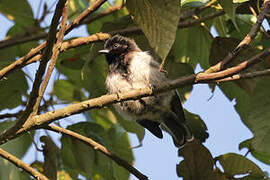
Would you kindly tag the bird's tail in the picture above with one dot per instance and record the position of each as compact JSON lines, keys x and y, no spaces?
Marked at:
{"x":180,"y":132}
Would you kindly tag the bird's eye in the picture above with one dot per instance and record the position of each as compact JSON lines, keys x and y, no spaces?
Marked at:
{"x":116,"y":45}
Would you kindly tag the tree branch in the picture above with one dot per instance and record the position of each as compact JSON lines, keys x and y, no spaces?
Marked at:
{"x":196,"y":11}
{"x":243,"y":44}
{"x":55,"y":52}
{"x":98,"y":147}
{"x":201,"y":77}
{"x":39,"y":121}
{"x":22,"y":39}
{"x":34,"y":56}
{"x":245,"y":76}
{"x":31,"y":109}
{"x":84,"y":14}
{"x":9,"y":115}
{"x":33,"y":52}
{"x":22,"y":165}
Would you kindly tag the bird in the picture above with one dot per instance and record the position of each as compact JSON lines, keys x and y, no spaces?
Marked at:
{"x":131,"y":68}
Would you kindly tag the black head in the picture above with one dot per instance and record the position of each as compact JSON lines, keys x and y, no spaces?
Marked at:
{"x":117,"y":47}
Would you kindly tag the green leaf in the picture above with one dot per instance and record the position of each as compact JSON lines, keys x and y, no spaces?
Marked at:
{"x":80,"y":158}
{"x":235,"y":164}
{"x":12,"y":89}
{"x":76,"y":7}
{"x":229,"y":7}
{"x":108,"y":117}
{"x":66,"y":91}
{"x":23,"y":48}
{"x":18,"y":146}
{"x":259,"y":115}
{"x":77,"y":155}
{"x":18,"y":11}
{"x":10,"y":171}
{"x":151,"y":17}
{"x":193,"y":3}
{"x":197,"y":126}
{"x":94,"y":76}
{"x":119,"y":144}
{"x":239,"y":1}
{"x":198,"y":162}
{"x":220,"y":24}
{"x":176,"y":70}
{"x":192,"y":46}
{"x":130,"y":126}
{"x":244,"y":22}
{"x":96,"y":25}
{"x":263,"y":157}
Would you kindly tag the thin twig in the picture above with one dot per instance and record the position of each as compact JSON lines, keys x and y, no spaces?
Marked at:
{"x":196,"y":11}
{"x":14,"y":160}
{"x":98,"y":147}
{"x":245,"y":76}
{"x":84,"y":14}
{"x":189,"y":23}
{"x":107,"y":12}
{"x":10,"y":115}
{"x":55,"y":53}
{"x":243,"y":44}
{"x":16,"y":40}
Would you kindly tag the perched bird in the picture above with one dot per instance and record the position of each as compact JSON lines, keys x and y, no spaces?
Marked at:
{"x":131,"y":68}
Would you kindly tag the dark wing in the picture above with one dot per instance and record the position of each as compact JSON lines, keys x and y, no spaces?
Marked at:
{"x":177,"y":124}
{"x":152,"y":126}
{"x":176,"y":107}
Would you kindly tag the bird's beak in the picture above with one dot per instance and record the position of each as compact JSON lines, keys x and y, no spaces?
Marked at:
{"x":104,"y":51}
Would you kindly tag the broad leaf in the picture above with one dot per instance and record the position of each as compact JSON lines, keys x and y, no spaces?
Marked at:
{"x":152,"y":17}
{"x":197,"y":125}
{"x":96,"y":26}
{"x":9,"y":171}
{"x":67,"y":92}
{"x":235,"y":164}
{"x":12,"y":89}
{"x":18,"y":11}
{"x":80,"y":158}
{"x":197,"y":164}
{"x":229,"y":7}
{"x":259,"y":115}
{"x":176,"y":70}
{"x":18,"y":146}
{"x":261,"y":156}
{"x":192,"y":46}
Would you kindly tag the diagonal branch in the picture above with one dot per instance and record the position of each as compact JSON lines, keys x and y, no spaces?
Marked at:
{"x":85,"y":14}
{"x":14,"y":160}
{"x":243,"y":44}
{"x":55,"y":53}
{"x":30,"y":107}
{"x":98,"y":147}
{"x":34,"y":56}
{"x":245,"y":76}
{"x":39,"y":121}
{"x":33,"y":52}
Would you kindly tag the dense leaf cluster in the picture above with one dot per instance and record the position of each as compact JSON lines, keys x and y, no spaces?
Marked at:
{"x":172,"y":31}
